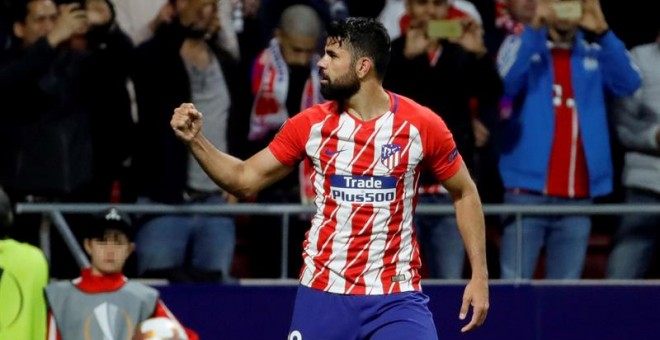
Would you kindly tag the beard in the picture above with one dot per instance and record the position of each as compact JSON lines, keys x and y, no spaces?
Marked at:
{"x":341,"y":88}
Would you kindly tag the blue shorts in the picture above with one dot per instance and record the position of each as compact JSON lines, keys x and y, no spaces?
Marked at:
{"x":318,"y":315}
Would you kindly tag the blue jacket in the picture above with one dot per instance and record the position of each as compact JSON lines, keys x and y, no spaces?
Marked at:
{"x":598,"y":68}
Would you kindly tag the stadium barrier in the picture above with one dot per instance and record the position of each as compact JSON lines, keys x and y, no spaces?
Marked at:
{"x":55,"y":213}
{"x":520,"y":309}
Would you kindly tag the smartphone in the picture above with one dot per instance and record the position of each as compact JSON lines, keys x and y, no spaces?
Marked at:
{"x":568,"y":10}
{"x":444,"y":29}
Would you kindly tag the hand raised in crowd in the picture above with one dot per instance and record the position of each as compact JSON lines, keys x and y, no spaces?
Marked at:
{"x":250,"y":7}
{"x":481,"y":133}
{"x":544,"y":14}
{"x":417,"y":41}
{"x":192,"y":10}
{"x":165,"y":15}
{"x":71,"y":20}
{"x":186,"y":122}
{"x":98,"y":13}
{"x":472,"y":39}
{"x":593,"y":18}
{"x":214,"y":26}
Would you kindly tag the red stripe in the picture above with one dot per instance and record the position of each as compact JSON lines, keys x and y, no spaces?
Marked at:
{"x":358,"y":252}
{"x":324,"y":253}
{"x":391,"y":256}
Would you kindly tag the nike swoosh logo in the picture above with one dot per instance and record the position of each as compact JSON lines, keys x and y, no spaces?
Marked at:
{"x":330,"y":152}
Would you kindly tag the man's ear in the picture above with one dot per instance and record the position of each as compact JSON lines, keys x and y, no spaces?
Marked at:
{"x":87,"y":243}
{"x":363,"y":66}
{"x":19,"y":30}
{"x":278,"y":35}
{"x":131,"y":248}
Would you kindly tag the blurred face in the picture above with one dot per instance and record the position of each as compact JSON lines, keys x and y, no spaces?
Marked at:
{"x":421,"y":11}
{"x":297,"y":50}
{"x":522,"y":10}
{"x":40,"y":20}
{"x":109,"y":254}
{"x":564,"y":25}
{"x":199,"y":15}
{"x":339,"y":79}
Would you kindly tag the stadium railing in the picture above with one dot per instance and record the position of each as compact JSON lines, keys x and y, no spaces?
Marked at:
{"x":55,"y":212}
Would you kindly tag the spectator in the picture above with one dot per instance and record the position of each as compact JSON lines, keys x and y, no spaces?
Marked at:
{"x":42,"y":82}
{"x":23,"y":276}
{"x":140,"y":19}
{"x":556,"y":143}
{"x":58,"y":85}
{"x":183,"y":62}
{"x":5,"y":25}
{"x":107,"y":99}
{"x":511,"y":16}
{"x":638,"y":125}
{"x":102,"y":293}
{"x":285,"y":81}
{"x":445,"y":76}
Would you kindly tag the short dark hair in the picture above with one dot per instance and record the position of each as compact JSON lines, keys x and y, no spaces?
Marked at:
{"x":366,"y":37}
{"x":19,"y":10}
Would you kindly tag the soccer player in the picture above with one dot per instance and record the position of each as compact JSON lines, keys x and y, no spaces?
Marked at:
{"x":360,"y":277}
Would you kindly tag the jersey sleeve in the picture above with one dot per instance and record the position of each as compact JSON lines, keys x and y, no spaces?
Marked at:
{"x":442,"y":156}
{"x":288,"y":146}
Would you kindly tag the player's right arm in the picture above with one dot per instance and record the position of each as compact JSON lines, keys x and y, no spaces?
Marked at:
{"x":238,"y":177}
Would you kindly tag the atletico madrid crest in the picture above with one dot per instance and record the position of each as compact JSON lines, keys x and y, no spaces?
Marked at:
{"x":390,"y":155}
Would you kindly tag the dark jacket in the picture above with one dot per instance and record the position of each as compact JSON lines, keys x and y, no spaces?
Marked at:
{"x":45,"y":143}
{"x":447,"y":87}
{"x":64,"y":109}
{"x":162,"y":84}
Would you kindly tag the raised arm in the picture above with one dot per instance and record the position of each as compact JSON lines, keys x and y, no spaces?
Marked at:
{"x":238,"y":177}
{"x":470,"y":218}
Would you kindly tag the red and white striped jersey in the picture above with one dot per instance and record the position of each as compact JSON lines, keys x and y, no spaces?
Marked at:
{"x":362,"y":240}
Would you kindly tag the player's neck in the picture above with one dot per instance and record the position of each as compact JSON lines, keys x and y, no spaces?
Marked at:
{"x":372,"y":101}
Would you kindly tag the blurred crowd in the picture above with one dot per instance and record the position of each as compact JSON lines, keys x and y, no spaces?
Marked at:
{"x":549,"y":101}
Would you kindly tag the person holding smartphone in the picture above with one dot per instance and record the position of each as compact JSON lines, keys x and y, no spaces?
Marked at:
{"x":66,"y":108}
{"x":441,"y":62}
{"x":559,"y":71}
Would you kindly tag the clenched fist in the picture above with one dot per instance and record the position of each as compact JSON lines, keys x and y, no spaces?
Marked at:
{"x":186,"y":122}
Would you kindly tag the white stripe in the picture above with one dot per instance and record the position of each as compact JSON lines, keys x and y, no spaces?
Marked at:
{"x":313,"y":150}
{"x":340,"y":239}
{"x":314,"y":235}
{"x":373,"y":270}
{"x":101,"y":316}
{"x":407,"y":254}
{"x":369,"y":247}
{"x":508,"y":54}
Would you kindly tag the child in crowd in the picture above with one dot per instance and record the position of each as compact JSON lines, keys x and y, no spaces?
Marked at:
{"x":102,"y":303}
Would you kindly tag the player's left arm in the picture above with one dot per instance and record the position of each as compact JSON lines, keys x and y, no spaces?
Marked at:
{"x":470,"y":218}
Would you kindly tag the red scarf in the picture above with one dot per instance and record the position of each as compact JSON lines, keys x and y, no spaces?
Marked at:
{"x":270,"y":84}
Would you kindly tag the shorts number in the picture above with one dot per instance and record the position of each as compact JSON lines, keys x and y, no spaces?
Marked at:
{"x":295,"y":335}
